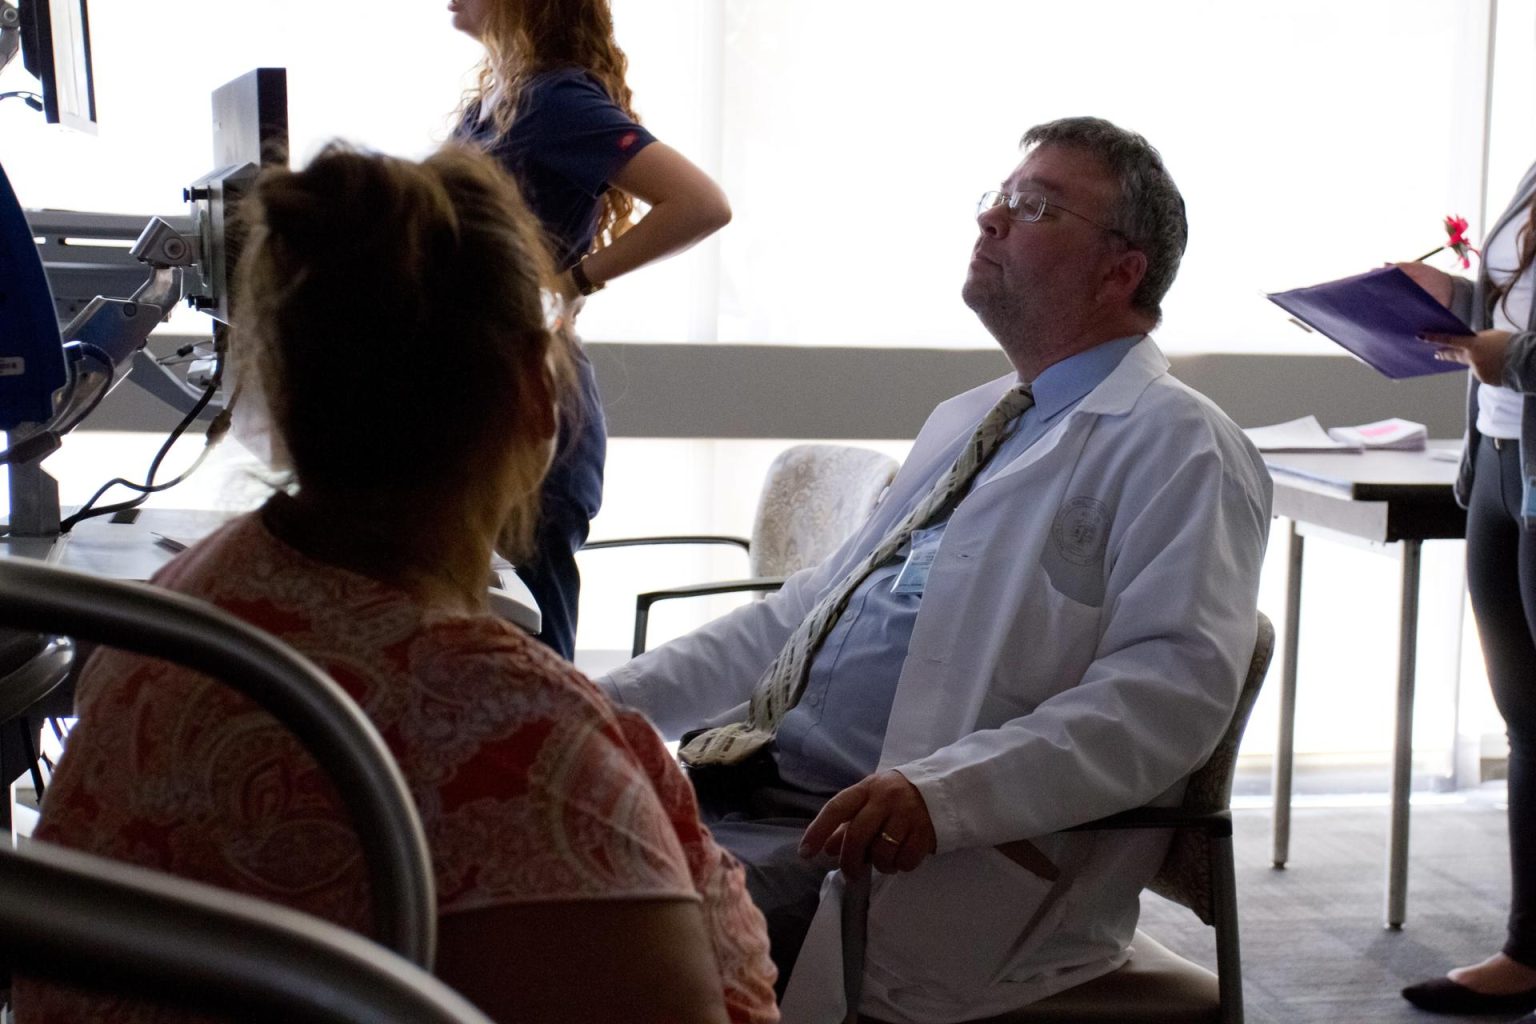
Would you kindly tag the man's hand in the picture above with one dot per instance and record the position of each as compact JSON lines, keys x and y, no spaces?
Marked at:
{"x":880,"y":821}
{"x":1483,"y":351}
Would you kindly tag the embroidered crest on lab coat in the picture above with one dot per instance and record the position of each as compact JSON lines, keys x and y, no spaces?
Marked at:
{"x":1074,"y":560}
{"x":1080,"y":530}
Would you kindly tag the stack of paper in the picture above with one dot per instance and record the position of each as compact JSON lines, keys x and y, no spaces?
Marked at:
{"x":1402,"y":435}
{"x":1303,"y":435}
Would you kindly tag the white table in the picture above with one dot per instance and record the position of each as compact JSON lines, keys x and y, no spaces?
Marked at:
{"x":1387,"y":498}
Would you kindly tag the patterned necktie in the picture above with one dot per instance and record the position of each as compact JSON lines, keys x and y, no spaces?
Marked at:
{"x":780,"y":688}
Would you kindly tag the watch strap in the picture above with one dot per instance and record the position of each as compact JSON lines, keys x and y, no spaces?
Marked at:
{"x":584,"y":284}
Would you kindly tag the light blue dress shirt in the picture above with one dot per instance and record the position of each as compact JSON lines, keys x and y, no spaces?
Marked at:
{"x":832,"y":737}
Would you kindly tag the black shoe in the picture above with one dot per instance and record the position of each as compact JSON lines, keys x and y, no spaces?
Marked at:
{"x":1442,"y":995}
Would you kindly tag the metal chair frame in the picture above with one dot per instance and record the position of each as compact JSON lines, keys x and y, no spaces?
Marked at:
{"x":154,"y":622}
{"x":1206,"y":816}
{"x":760,"y":583}
{"x":76,"y":919}
{"x":644,"y":601}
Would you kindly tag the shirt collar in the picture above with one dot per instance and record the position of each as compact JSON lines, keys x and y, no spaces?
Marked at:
{"x":1062,"y":385}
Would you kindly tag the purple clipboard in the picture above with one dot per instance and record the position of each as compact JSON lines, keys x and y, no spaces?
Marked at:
{"x":1377,"y":316}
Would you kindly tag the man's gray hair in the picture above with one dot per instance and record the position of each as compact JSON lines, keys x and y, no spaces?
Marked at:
{"x":1149,"y":212}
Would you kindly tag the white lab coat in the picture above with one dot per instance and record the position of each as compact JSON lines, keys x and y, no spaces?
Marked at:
{"x":1079,"y":649}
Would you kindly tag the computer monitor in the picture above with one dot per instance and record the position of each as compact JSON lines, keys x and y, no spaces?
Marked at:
{"x":32,"y":364}
{"x":250,"y":131}
{"x":56,"y":47}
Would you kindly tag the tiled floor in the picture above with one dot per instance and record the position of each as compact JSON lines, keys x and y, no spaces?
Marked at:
{"x":1314,"y":947}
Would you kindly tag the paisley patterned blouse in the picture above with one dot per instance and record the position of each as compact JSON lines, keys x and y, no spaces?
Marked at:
{"x":531,"y":786}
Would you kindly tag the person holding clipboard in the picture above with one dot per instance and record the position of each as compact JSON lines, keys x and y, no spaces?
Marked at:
{"x":1495,"y":486}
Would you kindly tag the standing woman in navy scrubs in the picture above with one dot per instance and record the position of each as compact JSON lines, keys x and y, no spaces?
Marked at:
{"x":1497,"y":486}
{"x":551,"y":104}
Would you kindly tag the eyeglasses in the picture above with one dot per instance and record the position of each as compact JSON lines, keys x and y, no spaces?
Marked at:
{"x":1028,"y":207}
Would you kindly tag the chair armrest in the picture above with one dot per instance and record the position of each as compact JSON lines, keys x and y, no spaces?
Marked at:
{"x":1217,"y":823}
{"x":701,"y":538}
{"x":643,"y":602}
{"x":764,"y":584}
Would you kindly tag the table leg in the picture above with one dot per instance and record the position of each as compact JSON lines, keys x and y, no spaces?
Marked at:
{"x":1402,"y":743}
{"x":1285,"y":745}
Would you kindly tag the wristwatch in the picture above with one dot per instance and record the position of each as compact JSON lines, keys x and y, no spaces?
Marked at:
{"x":584,"y":285}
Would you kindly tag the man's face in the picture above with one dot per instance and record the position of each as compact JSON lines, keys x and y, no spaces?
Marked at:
{"x":1025,"y":273}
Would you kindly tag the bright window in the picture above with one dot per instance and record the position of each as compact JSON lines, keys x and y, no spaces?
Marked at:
{"x":1311,"y":138}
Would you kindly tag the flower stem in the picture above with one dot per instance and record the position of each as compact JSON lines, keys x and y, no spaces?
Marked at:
{"x":1431,"y":252}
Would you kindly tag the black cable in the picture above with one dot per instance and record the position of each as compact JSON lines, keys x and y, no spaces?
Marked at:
{"x":184,"y":354}
{"x":46,"y":441}
{"x":89,"y":511}
{"x":27,"y":96}
{"x":100,"y":355}
{"x":148,"y":487}
{"x":180,"y":360}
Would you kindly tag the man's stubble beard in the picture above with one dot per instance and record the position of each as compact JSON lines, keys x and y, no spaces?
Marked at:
{"x":1007,"y":315}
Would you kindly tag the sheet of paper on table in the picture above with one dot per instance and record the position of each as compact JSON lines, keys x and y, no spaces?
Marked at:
{"x":1298,"y":435}
{"x":1395,"y":434}
{"x":1307,"y":435}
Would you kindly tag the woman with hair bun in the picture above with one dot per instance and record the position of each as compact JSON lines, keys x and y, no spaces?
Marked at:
{"x":552,"y":105}
{"x":574,"y":880}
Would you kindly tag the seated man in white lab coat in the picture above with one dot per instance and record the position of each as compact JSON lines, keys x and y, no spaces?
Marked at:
{"x":1046,"y":620}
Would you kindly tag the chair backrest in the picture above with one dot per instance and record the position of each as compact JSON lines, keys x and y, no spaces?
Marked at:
{"x":814,"y":497}
{"x":1186,"y":871}
{"x":149,"y":621}
{"x":80,"y":920}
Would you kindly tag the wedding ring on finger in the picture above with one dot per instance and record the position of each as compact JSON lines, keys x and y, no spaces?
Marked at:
{"x":887,"y":837}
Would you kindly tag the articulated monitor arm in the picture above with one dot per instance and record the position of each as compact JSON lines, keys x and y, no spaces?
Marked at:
{"x":114,"y":331}
{"x":104,"y":344}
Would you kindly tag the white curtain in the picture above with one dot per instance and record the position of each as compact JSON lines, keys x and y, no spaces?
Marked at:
{"x":1311,"y":138}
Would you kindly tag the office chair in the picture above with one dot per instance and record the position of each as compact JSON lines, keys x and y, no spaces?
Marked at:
{"x":814,"y":496}
{"x":149,"y":621}
{"x":76,"y":919}
{"x":1156,"y":985}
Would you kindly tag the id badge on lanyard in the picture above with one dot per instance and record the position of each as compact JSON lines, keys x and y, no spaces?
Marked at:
{"x":913,"y":577}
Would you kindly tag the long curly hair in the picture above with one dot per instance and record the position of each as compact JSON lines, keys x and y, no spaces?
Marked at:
{"x":524,"y":38}
{"x":1525,"y":254}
